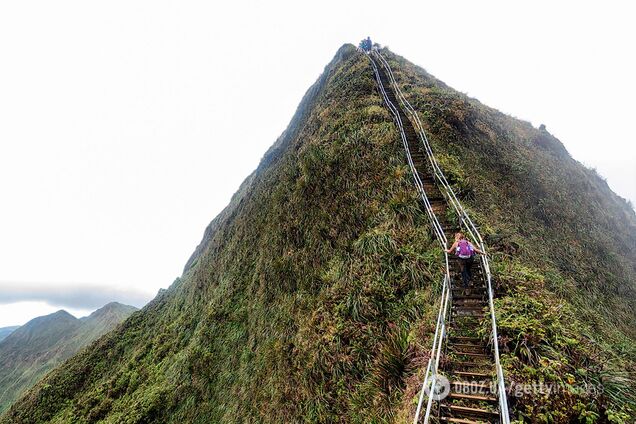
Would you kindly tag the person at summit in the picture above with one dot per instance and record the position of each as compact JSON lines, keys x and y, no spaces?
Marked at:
{"x":366,"y":44}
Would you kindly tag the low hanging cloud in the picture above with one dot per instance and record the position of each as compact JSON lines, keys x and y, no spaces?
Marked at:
{"x":70,"y":295}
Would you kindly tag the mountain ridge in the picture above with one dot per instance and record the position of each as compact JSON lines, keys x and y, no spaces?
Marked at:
{"x":5,"y":331}
{"x":44,"y":342}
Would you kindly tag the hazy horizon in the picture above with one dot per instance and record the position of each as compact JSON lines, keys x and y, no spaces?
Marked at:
{"x":126,"y":127}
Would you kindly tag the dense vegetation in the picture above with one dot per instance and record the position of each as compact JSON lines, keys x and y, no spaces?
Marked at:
{"x":312,"y":295}
{"x":43,"y":343}
{"x":564,"y":254}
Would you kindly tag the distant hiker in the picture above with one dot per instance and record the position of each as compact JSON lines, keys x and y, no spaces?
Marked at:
{"x":366,"y":45}
{"x":465,"y":251}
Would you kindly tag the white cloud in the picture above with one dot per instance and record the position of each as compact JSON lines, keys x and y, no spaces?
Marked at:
{"x":21,"y":312}
{"x":70,"y":295}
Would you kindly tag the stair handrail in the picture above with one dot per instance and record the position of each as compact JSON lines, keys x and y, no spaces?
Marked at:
{"x":431,"y":374}
{"x":469,"y":225}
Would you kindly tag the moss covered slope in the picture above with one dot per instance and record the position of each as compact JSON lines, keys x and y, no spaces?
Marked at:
{"x":563,"y":252}
{"x":43,"y":343}
{"x":299,"y":299}
{"x":311,"y":296}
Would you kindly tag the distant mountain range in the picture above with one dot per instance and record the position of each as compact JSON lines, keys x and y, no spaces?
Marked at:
{"x":5,"y":331}
{"x":28,"y":352}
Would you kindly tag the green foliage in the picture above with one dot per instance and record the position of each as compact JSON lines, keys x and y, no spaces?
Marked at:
{"x":562,"y":252}
{"x":45,"y":342}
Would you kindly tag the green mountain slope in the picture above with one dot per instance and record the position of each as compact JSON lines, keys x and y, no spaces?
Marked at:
{"x":32,"y":350}
{"x":5,"y":331}
{"x":102,"y":321}
{"x":312,"y":296}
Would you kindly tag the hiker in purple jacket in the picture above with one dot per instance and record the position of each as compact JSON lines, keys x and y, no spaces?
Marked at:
{"x":465,"y":251}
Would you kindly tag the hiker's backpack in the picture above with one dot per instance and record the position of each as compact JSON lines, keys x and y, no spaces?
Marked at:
{"x":465,"y":249}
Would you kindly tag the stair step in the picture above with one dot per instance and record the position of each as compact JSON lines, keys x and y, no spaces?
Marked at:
{"x":458,"y":420}
{"x":467,"y":314}
{"x":479,"y":350}
{"x":468,"y":308}
{"x":468,"y":345}
{"x":476,"y":355}
{"x":466,"y":338}
{"x":465,"y":331}
{"x":468,"y":311}
{"x":478,"y":398}
{"x":469,"y":296}
{"x":471,"y":412}
{"x":470,"y":289}
{"x":465,"y":341}
{"x":472,"y":299}
{"x":459,"y":291}
{"x":469,"y":301}
{"x":474,"y":268}
{"x":467,"y":318}
{"x":472,"y":374}
{"x":464,"y":308}
{"x":471,"y":384}
{"x":471,"y":306}
{"x":470,"y":364}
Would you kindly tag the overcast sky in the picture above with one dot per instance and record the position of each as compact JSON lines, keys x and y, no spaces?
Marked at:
{"x":125,"y":126}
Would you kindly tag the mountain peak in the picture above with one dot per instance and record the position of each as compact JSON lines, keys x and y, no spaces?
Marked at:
{"x":32,"y":350}
{"x":42,"y":331}
{"x":55,"y":317}
{"x":110,"y":308}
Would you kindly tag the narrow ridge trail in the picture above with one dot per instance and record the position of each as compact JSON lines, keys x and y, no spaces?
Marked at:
{"x":467,"y":359}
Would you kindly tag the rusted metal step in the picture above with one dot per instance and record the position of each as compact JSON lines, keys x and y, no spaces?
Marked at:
{"x":459,"y":300}
{"x":466,"y":313}
{"x":466,"y":338}
{"x":476,"y":398}
{"x":473,"y":354}
{"x":467,"y":319}
{"x":469,"y":307}
{"x":470,"y":303}
{"x":471,"y":364}
{"x":468,"y":310}
{"x":470,"y":385}
{"x":470,"y":290}
{"x":468,"y":296}
{"x":465,"y":411}
{"x":466,"y":346}
{"x":473,"y":375}
{"x":459,"y":420}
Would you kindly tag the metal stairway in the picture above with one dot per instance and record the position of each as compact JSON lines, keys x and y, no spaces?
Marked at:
{"x":467,"y":364}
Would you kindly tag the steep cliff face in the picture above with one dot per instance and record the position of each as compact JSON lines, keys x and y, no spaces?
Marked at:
{"x":312,"y":295}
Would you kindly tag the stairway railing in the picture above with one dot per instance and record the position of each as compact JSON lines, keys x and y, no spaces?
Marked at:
{"x":431,"y":375}
{"x":467,"y":223}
